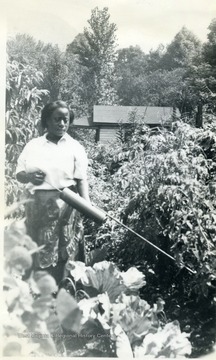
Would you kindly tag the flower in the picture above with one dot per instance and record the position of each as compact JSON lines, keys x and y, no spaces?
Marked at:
{"x":133,"y":279}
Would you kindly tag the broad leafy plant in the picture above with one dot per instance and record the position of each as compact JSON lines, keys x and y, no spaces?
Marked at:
{"x":99,"y":312}
{"x":161,"y":183}
{"x":24,"y":100}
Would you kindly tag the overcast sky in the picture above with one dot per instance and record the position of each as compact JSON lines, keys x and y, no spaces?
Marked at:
{"x":146,"y":23}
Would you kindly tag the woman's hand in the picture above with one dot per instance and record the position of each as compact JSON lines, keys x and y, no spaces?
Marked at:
{"x":36,"y":177}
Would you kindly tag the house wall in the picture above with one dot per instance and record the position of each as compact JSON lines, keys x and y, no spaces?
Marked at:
{"x":107,"y":134}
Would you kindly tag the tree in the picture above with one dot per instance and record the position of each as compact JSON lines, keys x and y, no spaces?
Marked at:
{"x":23,"y":48}
{"x":96,"y":50}
{"x":72,"y":87}
{"x":183,"y":50}
{"x":133,"y":58}
{"x":46,"y":58}
{"x":182,"y":57}
{"x":52,"y":64}
{"x":210,"y":46}
{"x":200,"y":77}
{"x":162,"y":77}
{"x":209,"y":51}
{"x":76,"y":44}
{"x":155,"y":58}
{"x":130,"y":69}
{"x":165,"y":88}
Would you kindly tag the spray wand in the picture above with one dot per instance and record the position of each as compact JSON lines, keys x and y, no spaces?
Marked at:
{"x":100,"y":216}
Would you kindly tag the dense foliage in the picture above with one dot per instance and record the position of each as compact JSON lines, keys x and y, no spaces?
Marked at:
{"x":23,"y":104}
{"x":181,"y":74}
{"x":161,"y":183}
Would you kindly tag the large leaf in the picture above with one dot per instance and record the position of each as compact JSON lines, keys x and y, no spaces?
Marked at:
{"x":139,"y":305}
{"x":175,"y":343}
{"x":53,"y":323}
{"x":133,"y":315}
{"x":93,"y":329}
{"x":78,"y":271}
{"x":17,"y":346}
{"x":47,"y":345}
{"x":96,"y":256}
{"x":123,"y":347}
{"x":46,"y":283}
{"x":96,"y":308}
{"x":9,"y":282}
{"x":68,"y":311}
{"x":88,"y":308}
{"x":105,"y":307}
{"x":13,"y":324}
{"x":10,"y":209}
{"x":19,"y":259}
{"x":42,"y":306}
{"x":166,"y":342}
{"x":103,"y":276}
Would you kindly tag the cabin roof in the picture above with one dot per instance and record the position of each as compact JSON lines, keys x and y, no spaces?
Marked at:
{"x":116,"y":114}
{"x":82,"y":121}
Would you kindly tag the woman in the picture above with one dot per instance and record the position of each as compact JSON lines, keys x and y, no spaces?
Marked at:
{"x":47,"y":163}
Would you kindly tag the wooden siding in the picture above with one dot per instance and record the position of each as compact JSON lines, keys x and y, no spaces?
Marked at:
{"x":107,"y":134}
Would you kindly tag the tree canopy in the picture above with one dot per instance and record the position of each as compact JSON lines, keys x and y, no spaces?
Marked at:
{"x":92,"y":71}
{"x":96,"y":51}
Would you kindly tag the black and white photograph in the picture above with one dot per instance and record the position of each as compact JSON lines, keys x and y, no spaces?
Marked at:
{"x":109,"y":246}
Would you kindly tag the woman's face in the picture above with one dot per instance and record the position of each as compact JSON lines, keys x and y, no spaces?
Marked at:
{"x":58,"y":123}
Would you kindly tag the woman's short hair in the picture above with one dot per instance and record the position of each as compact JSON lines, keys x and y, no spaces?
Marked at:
{"x":50,"y":108}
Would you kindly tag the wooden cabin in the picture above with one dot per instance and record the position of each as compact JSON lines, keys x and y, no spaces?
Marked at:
{"x":106,"y":119}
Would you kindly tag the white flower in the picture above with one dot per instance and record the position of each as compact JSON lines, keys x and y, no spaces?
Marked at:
{"x":86,"y":306}
{"x":133,"y":278}
{"x":78,"y":271}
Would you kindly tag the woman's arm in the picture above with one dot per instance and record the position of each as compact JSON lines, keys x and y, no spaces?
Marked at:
{"x":82,"y":187}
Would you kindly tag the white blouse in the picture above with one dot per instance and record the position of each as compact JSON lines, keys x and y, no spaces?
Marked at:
{"x":62,"y":163}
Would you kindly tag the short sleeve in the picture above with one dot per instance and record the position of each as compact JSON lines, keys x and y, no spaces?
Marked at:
{"x":21,"y":162}
{"x":81,"y":163}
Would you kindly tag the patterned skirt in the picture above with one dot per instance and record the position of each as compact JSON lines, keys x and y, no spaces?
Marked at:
{"x":57,"y":226}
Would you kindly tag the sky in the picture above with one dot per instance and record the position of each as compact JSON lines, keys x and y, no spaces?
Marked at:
{"x":146,"y":23}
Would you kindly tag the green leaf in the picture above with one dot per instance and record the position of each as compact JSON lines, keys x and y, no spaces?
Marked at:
{"x":68,"y":311}
{"x":46,"y":284}
{"x":96,"y":256}
{"x":133,"y":315}
{"x":123,"y":347}
{"x":103,"y":276}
